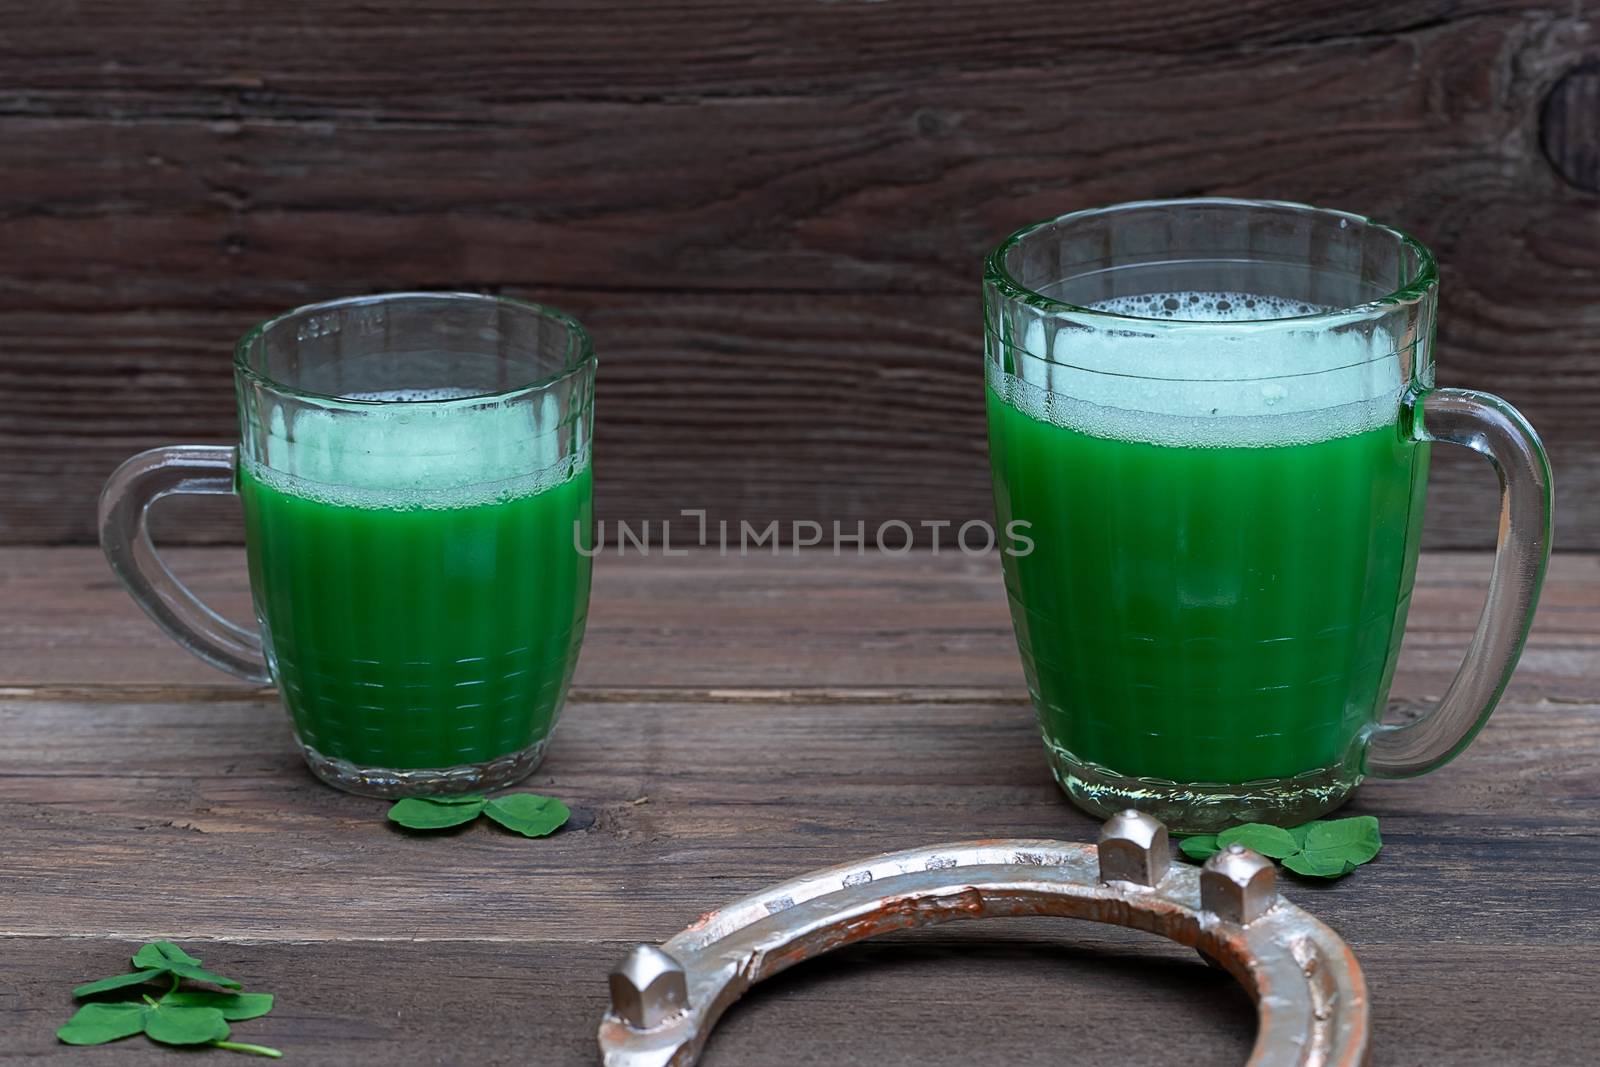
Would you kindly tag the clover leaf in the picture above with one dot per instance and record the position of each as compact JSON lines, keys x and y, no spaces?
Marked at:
{"x":1318,"y":865}
{"x":95,"y":1024}
{"x":1273,"y":841}
{"x":1326,"y":848}
{"x":528,"y":814}
{"x":235,"y":1007}
{"x":428,"y":813}
{"x":167,"y":957}
{"x":180,"y":1017}
{"x":118,"y":981}
{"x":1199,"y":847}
{"x":173,"y":1024}
{"x":1356,"y":839}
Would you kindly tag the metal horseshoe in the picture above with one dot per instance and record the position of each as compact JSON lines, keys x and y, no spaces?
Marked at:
{"x":1310,"y":995}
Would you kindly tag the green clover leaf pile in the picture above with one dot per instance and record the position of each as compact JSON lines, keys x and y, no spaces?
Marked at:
{"x":528,"y":814}
{"x":178,"y":1017}
{"x":1327,"y":848}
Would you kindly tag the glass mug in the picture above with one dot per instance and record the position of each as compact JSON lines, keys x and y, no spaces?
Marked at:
{"x":414,"y":472}
{"x":1215,"y":418}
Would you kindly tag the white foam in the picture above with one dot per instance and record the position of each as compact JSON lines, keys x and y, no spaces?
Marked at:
{"x":1185,"y":380}
{"x":410,"y":454}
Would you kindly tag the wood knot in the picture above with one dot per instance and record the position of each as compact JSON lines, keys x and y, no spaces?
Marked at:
{"x":931,"y":123}
{"x":1569,"y":127}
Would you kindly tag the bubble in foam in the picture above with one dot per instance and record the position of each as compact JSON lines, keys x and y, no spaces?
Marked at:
{"x":1208,"y":307}
{"x":1204,"y":387}
{"x":411,"y":396}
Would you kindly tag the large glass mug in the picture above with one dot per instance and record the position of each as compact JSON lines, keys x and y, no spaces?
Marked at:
{"x":414,"y":471}
{"x":1213,"y":419}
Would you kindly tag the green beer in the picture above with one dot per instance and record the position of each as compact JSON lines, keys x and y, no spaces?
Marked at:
{"x":1219,"y":576}
{"x":419,"y":576}
{"x":404,"y":635}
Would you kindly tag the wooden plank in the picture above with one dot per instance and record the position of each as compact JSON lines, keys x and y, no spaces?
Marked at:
{"x":1022,"y":991}
{"x":893,"y":183}
{"x":775,"y":407}
{"x":681,"y":805}
{"x":194,"y":820}
{"x":183,"y":812}
{"x":762,"y":622}
{"x":479,"y":1002}
{"x":774,"y":221}
{"x":391,"y":51}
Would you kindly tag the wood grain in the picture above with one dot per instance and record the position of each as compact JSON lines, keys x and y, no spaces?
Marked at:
{"x":1486,"y":876}
{"x":1027,"y":993}
{"x":761,"y":623}
{"x":154,"y":802}
{"x":392,"y":51}
{"x":772,"y":215}
{"x":536,"y":1002}
{"x":682,"y":805}
{"x":885,"y":421}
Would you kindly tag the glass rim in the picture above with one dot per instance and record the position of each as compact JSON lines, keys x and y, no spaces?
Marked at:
{"x":580,"y":347}
{"x":1414,"y":291}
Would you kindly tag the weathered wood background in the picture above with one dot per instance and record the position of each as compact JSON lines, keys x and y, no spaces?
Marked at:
{"x":771,"y":213}
{"x":734,"y":723}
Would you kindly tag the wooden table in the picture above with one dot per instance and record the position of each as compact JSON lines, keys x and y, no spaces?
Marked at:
{"x":736,"y":722}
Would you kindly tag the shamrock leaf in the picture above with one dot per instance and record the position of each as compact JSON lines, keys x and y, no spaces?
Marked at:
{"x":233,"y":1006}
{"x":95,"y":1024}
{"x":171,"y":1024}
{"x":1318,"y":865}
{"x":180,"y":1025}
{"x":166,"y":957}
{"x":1329,"y":848}
{"x":1200,"y":847}
{"x":1355,"y":839}
{"x":528,"y":814}
{"x":163,"y":954}
{"x":118,"y":981}
{"x":435,"y":813}
{"x":181,"y":1017}
{"x":1334,"y":848}
{"x":1273,"y":841}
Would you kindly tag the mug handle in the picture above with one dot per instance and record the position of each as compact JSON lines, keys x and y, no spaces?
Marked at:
{"x":1492,"y":427}
{"x":125,"y":537}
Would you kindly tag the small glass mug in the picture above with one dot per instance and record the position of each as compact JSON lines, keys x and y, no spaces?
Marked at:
{"x":414,"y":471}
{"x":1211,"y":421}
